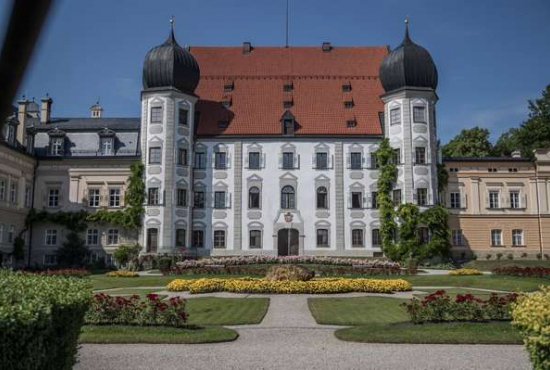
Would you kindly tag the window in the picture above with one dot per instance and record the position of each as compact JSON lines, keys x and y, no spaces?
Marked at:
{"x":287,"y":104}
{"x":321,"y":161}
{"x":200,"y":161}
{"x":517,"y":238}
{"x":156,"y":115}
{"x":181,"y":197}
{"x":254,"y":198}
{"x":228,"y":86}
{"x":350,"y":123}
{"x":287,"y":197}
{"x":356,"y":161}
{"x":53,"y":198}
{"x":496,"y":238}
{"x":219,"y":239}
{"x":396,"y":196}
{"x":106,"y":145}
{"x":219,"y":199}
{"x":346,"y":88}
{"x":457,"y":238}
{"x":357,"y":237}
{"x":419,"y":114}
{"x":155,"y":155}
{"x":198,"y":200}
{"x":182,"y":157}
{"x":455,"y":200}
{"x":198,"y":238}
{"x":92,"y":237}
{"x":492,"y":169}
{"x":50,"y":259}
{"x":114,"y":197}
{"x":112,"y":237}
{"x":180,"y":237}
{"x":93,"y":197}
{"x":288,"y":161}
{"x":493,"y":199}
{"x":420,"y":155}
{"x":376,"y":240}
{"x":11,"y":232}
{"x":220,"y":161}
{"x":395,"y":116}
{"x":514,"y":199}
{"x":356,"y":199}
{"x":13,"y":191}
{"x":182,"y":118}
{"x":3,"y":185}
{"x":288,"y":87}
{"x":322,"y":238}
{"x":423,"y":234}
{"x":396,"y":159}
{"x":153,"y":197}
{"x":56,"y":145}
{"x":422,"y":196}
{"x":28,"y":196}
{"x":322,"y":198}
{"x":348,"y":104}
{"x":255,"y":239}
{"x":374,"y":161}
{"x":374,"y":199}
{"x":51,"y":237}
{"x":152,"y":240}
{"x":288,"y":127}
{"x":254,"y":160}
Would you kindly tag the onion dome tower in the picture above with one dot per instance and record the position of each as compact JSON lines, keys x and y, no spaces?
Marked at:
{"x":170,"y":76}
{"x":409,"y":77}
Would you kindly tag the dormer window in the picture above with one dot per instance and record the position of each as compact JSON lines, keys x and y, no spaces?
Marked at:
{"x":228,"y":86}
{"x":288,"y":123}
{"x":348,"y":104}
{"x":56,"y":146}
{"x":288,"y":87}
{"x":346,"y":87}
{"x":223,"y":124}
{"x":351,"y":123}
{"x":288,"y":104}
{"x":107,"y":145}
{"x":226,"y":101}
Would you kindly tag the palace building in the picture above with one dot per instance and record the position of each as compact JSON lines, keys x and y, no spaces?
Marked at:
{"x":263,"y":150}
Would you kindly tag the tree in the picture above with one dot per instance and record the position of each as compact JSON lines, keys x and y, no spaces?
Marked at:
{"x":472,"y":142}
{"x":73,"y":252}
{"x":533,"y":133}
{"x":125,"y":254}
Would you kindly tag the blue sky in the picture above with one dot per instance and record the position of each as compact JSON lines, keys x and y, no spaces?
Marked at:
{"x":492,"y":55}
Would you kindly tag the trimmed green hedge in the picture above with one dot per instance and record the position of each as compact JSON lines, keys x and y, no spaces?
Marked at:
{"x":40,"y":320}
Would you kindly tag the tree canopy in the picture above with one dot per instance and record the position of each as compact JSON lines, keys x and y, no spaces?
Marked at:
{"x":473,"y":142}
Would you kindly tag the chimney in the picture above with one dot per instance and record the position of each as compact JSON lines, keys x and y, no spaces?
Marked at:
{"x":516,"y":153}
{"x":247,"y":47}
{"x":96,"y":110}
{"x":46,"y":109}
{"x":22,"y":118}
{"x":326,"y":46}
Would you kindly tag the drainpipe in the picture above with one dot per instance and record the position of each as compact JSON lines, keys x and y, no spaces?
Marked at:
{"x":538,"y":208}
{"x":32,"y":207}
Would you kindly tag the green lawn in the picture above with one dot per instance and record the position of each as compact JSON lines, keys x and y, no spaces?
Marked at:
{"x":492,"y":264}
{"x":101,"y":281}
{"x":131,"y":291}
{"x":226,"y":311}
{"x":383,"y":320}
{"x":155,"y":334}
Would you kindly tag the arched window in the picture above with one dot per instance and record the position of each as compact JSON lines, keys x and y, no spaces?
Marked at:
{"x":253,"y":197}
{"x":322,"y":198}
{"x":287,"y":197}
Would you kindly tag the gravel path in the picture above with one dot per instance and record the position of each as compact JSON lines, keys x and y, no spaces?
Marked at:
{"x":289,"y":338}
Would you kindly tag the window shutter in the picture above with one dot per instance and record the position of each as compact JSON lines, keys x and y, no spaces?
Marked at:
{"x":60,"y":198}
{"x":415,"y":198}
{"x":246,"y":160}
{"x":280,"y":160}
{"x":348,"y":160}
{"x":487,"y":203}
{"x":262,"y":164}
{"x":330,"y":160}
{"x":349,"y":200}
{"x":227,"y":200}
{"x":227,"y":160}
{"x":463,"y":201}
{"x":213,"y":162}
{"x":212,"y":198}
{"x":503,"y":200}
{"x":45,"y":199}
{"x":522,"y":200}
{"x":296,"y":161}
{"x":314,"y":160}
{"x":369,"y":201}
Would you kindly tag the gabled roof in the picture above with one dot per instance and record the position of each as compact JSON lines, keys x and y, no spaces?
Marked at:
{"x":88,"y":124}
{"x":317,"y":77}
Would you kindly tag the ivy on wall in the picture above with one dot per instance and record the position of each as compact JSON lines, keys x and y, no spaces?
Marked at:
{"x":405,"y":220}
{"x":128,"y":218}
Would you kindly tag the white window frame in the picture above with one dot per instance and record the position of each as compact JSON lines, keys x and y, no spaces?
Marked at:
{"x":517,"y":242}
{"x":13,"y":191}
{"x":496,"y":236}
{"x":515,"y":199}
{"x":457,"y":238}
{"x":494,"y":199}
{"x":250,"y":246}
{"x":114,"y":197}
{"x":94,"y":197}
{"x":92,"y":237}
{"x":107,"y":145}
{"x":113,"y":237}
{"x":53,"y":197}
{"x":218,"y":243}
{"x":395,"y":116}
{"x":50,"y":237}
{"x":456,"y":202}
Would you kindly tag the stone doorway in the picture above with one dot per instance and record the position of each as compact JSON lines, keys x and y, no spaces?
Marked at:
{"x":288,"y":245}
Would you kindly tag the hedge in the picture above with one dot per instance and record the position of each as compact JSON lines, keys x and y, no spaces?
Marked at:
{"x":40,"y":320}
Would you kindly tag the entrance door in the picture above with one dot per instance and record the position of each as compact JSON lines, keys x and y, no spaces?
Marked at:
{"x":288,"y":246}
{"x":152,"y":240}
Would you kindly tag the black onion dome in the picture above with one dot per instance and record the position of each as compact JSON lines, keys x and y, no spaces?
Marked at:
{"x":170,"y":65}
{"x":409,"y":65}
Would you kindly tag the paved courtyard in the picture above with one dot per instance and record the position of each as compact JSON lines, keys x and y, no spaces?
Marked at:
{"x":289,"y":338}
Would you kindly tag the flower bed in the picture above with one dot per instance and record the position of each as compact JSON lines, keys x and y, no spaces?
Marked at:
{"x":108,"y":310}
{"x":440,"y":307}
{"x":259,"y":260}
{"x":541,"y":272}
{"x":73,"y":272}
{"x":531,"y":314}
{"x":465,"y":272}
{"x":315,"y":286}
{"x":122,"y":273}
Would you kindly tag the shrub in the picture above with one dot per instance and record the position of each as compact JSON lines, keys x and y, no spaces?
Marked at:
{"x":510,"y":256}
{"x":73,"y":272}
{"x":499,"y":256}
{"x":539,"y":256}
{"x":440,"y":307}
{"x":541,"y":272}
{"x":73,"y":252}
{"x":546,"y":257}
{"x":474,"y":257}
{"x":531,"y":315}
{"x":165,"y":263}
{"x":122,"y":273}
{"x":488,"y":256}
{"x":108,"y":310}
{"x":465,"y":272}
{"x":314,"y":286}
{"x":125,"y":254}
{"x":524,"y":255}
{"x":40,"y":320}
{"x":289,"y":272}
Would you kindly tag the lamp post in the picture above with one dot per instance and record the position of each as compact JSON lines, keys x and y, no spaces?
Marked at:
{"x":288,"y":219}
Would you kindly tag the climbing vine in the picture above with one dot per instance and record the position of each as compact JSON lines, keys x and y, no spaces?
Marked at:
{"x":128,"y":218}
{"x":409,"y":246}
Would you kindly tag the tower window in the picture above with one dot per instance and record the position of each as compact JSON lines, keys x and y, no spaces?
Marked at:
{"x":153,"y":197}
{"x":419,"y":114}
{"x":422,"y":196}
{"x":420,"y":155}
{"x":155,"y":155}
{"x":395,"y":116}
{"x":156,"y":115}
{"x":182,"y":118}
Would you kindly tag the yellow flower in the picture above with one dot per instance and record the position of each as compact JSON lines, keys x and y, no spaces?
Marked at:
{"x":465,"y":272}
{"x":122,"y":273}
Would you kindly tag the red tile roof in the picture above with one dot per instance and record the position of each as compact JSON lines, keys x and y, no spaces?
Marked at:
{"x":256,"y":101}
